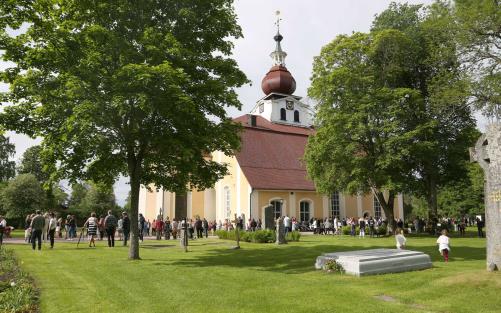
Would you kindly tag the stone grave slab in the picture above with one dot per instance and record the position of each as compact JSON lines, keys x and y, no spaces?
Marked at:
{"x":377,"y":261}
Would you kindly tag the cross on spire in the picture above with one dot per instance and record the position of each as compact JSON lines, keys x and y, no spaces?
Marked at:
{"x":277,"y":22}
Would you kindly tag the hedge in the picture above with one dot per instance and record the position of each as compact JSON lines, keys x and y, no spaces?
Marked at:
{"x":381,"y":230}
{"x":258,"y":236}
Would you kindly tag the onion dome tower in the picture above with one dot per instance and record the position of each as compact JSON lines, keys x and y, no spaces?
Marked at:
{"x":278,"y":79}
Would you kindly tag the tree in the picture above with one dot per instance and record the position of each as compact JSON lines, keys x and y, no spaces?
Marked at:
{"x":78,"y":193}
{"x":465,"y":196}
{"x":23,"y":195}
{"x":131,"y":87}
{"x":99,"y":199}
{"x":480,"y":38}
{"x":7,"y":151}
{"x":359,"y":144}
{"x":31,"y":163}
{"x":442,"y":127}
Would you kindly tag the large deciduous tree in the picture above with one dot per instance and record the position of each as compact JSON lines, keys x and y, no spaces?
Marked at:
{"x":479,"y":34}
{"x":98,"y":199}
{"x":23,"y":195}
{"x":7,"y":166}
{"x":358,"y":143}
{"x":125,"y":87}
{"x":392,"y":108}
{"x":443,"y":127}
{"x":31,"y":162}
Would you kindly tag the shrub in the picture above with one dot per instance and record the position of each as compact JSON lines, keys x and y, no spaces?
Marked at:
{"x":333,"y":266}
{"x":347,"y":230}
{"x":293,"y":236}
{"x":258,"y":236}
{"x":382,"y":230}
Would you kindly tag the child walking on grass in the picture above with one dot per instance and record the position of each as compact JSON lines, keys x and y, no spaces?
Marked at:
{"x":443,"y":245}
{"x":400,"y":238}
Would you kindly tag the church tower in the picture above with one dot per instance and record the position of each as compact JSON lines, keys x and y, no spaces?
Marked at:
{"x":279,"y":105}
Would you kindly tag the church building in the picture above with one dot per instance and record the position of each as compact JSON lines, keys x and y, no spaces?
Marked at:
{"x":268,"y":169}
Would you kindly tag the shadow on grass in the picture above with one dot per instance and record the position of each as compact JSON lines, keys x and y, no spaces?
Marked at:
{"x":293,"y":259}
{"x":143,"y":246}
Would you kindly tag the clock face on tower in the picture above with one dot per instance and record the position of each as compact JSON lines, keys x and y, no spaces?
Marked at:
{"x":289,"y":105}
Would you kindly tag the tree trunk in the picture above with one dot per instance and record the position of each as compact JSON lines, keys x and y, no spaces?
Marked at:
{"x":431,"y":199}
{"x":135,"y":185}
{"x":387,"y":207}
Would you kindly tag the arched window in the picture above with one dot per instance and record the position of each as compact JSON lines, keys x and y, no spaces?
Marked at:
{"x":227,"y":202}
{"x":277,"y":208}
{"x":296,"y":116}
{"x":283,"y":114}
{"x":304,"y":211}
{"x":377,"y":208}
{"x":335,"y":205}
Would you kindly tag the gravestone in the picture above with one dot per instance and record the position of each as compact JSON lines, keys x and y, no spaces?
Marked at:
{"x":183,"y":238}
{"x":269,"y":217}
{"x":237,"y":232}
{"x":376,"y":261}
{"x":487,"y":152}
{"x":280,"y":232}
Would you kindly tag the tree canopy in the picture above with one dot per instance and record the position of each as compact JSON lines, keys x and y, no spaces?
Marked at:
{"x":137,"y":88}
{"x":7,"y":166}
{"x":392,"y":109}
{"x":479,"y":33}
{"x":23,"y":195}
{"x":31,"y":163}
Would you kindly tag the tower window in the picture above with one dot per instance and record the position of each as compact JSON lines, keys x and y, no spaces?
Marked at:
{"x":296,"y":116}
{"x":283,"y":114}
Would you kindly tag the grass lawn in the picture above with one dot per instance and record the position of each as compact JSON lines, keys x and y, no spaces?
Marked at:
{"x":257,"y":278}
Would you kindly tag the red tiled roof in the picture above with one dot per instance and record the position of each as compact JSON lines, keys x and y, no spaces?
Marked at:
{"x":271,"y":154}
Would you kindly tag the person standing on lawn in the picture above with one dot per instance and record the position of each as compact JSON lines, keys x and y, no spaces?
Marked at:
{"x":159,"y":226}
{"x":110,"y":224}
{"x":52,"y":229}
{"x":141,"y":226}
{"x":92,"y":224}
{"x":37,"y":227}
{"x":3,"y":225}
{"x":126,"y":226}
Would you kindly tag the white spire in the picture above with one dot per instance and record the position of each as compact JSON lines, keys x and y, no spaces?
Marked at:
{"x":278,"y":56}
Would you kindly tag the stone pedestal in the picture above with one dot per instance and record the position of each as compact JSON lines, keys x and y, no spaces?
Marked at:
{"x":377,"y":261}
{"x":487,"y":153}
{"x":280,"y":232}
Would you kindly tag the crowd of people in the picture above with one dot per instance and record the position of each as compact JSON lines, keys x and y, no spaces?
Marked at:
{"x":46,"y":227}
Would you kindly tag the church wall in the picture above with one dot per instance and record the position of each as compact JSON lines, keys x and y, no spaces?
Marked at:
{"x":351,"y":207}
{"x":151,"y":203}
{"x":316,"y":204}
{"x":368,"y":204}
{"x":197,"y":203}
{"x":264,"y":200}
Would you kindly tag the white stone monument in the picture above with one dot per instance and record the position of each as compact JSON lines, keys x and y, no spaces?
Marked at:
{"x":376,"y":261}
{"x":487,"y":153}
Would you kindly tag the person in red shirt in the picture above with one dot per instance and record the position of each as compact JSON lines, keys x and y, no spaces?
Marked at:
{"x":159,"y":225}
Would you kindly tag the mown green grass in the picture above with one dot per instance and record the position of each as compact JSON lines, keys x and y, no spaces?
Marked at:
{"x":257,"y":278}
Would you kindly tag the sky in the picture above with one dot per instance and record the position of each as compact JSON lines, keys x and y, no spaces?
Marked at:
{"x":306,"y":26}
